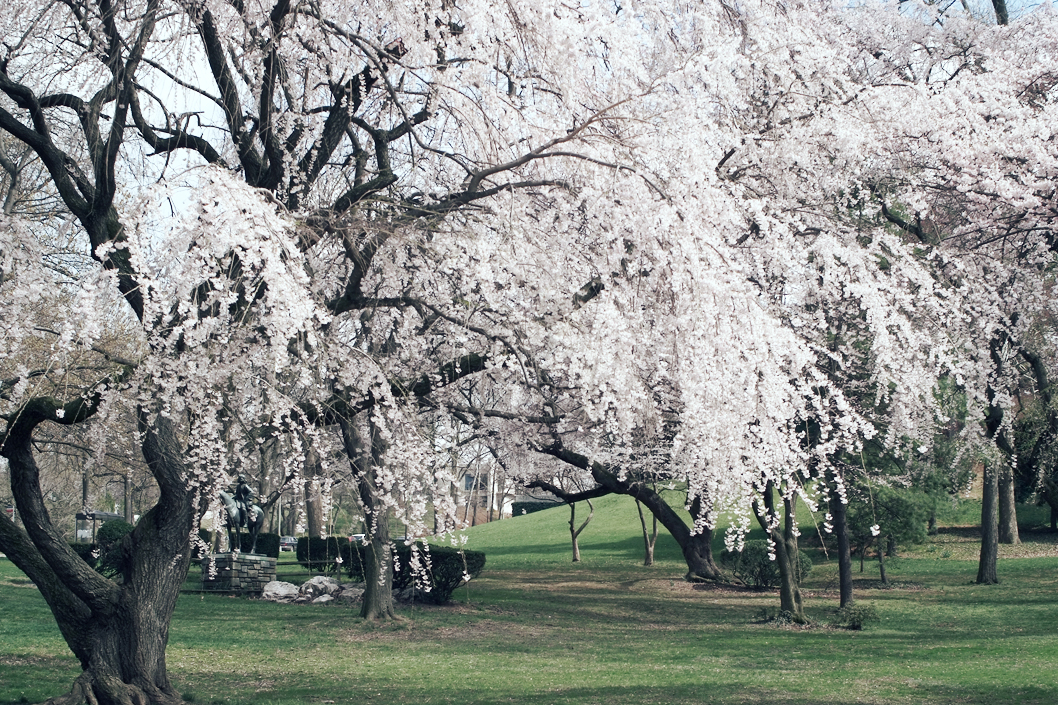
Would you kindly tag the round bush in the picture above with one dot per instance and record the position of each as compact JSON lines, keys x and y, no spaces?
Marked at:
{"x":442,"y":572}
{"x":753,"y":566}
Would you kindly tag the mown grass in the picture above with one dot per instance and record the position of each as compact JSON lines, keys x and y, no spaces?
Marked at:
{"x":535,"y":628}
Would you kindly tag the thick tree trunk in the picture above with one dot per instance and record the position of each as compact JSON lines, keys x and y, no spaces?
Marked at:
{"x":378,"y":566}
{"x":840,"y":519}
{"x":790,"y":592}
{"x":1008,"y":510}
{"x":118,"y":632}
{"x":986,"y":571}
{"x":881,"y":565}
{"x":1002,"y":16}
{"x":697,"y":551}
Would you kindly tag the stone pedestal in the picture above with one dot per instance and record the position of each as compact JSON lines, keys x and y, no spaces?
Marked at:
{"x":242,"y":573}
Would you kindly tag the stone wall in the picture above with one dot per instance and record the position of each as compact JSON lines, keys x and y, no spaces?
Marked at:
{"x":243,"y":573}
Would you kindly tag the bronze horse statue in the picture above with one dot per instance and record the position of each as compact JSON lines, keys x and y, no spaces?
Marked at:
{"x":247,"y":516}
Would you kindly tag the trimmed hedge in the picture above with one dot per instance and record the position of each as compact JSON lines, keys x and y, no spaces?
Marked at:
{"x":755,"y":568}
{"x":109,"y":537}
{"x":267,"y":544}
{"x":105,"y":555}
{"x":445,"y":568}
{"x":85,"y":551}
{"x":318,"y":554}
{"x":520,"y":508}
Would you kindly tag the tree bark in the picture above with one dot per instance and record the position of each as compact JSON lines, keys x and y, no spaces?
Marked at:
{"x":784,"y":537}
{"x":313,"y":496}
{"x":378,"y":564}
{"x":118,"y":632}
{"x":881,"y":565}
{"x":986,"y":571}
{"x":1008,"y":510}
{"x":128,"y":497}
{"x":840,"y":519}
{"x":1002,"y":16}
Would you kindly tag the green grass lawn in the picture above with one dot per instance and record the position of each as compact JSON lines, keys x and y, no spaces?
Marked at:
{"x":535,"y":628}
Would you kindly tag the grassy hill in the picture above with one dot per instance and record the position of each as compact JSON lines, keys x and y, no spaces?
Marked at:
{"x":542,"y":538}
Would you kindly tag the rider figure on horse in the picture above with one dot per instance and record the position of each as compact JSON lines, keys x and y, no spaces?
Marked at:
{"x":240,"y":512}
{"x":243,"y":500}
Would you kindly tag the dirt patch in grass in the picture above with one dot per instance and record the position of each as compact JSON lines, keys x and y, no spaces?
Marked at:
{"x":34,"y":661}
{"x":728,"y":589}
{"x":470,"y":631}
{"x":964,"y":543}
{"x":257,"y":686}
{"x":18,"y":582}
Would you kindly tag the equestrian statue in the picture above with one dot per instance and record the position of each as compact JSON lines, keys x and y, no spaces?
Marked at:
{"x":241,"y":513}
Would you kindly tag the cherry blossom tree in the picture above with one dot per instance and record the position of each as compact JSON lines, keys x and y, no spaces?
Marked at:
{"x":979,"y":185}
{"x":327,"y":181}
{"x":688,"y":242}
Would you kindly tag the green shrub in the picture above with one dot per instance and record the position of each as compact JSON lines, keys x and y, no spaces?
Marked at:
{"x":856,"y":616}
{"x":109,"y":537}
{"x":318,"y":554}
{"x":520,"y":508}
{"x":353,"y":559}
{"x":86,"y":551}
{"x":267,"y":544}
{"x":902,"y":516}
{"x":444,"y":568}
{"x":753,"y":566}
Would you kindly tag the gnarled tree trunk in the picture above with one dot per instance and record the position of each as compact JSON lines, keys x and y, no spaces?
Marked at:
{"x":118,"y":631}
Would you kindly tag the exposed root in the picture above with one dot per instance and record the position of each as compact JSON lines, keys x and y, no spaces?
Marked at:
{"x":90,"y":689}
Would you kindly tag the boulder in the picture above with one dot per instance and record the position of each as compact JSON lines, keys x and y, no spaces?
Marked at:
{"x":350,"y":593}
{"x":320,"y":585}
{"x":322,"y":599}
{"x":278,"y":591}
{"x":404,"y":594}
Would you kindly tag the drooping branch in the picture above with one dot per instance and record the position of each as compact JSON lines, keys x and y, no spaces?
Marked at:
{"x":16,"y":445}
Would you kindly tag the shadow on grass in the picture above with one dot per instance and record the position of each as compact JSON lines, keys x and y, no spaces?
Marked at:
{"x":647,"y":695}
{"x":1028,"y":695}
